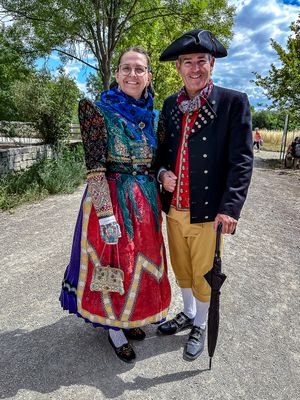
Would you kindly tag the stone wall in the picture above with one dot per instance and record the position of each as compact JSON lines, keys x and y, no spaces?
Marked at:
{"x":18,"y":129}
{"x":20,"y":158}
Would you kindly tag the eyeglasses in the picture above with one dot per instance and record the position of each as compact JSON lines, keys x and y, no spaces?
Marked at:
{"x":139,"y":70}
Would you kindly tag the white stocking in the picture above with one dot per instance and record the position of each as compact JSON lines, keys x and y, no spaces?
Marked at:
{"x":201,"y":314}
{"x":189,"y":303}
{"x":118,"y":338}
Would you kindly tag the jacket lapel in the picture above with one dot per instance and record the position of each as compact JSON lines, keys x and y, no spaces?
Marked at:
{"x":206,"y":115}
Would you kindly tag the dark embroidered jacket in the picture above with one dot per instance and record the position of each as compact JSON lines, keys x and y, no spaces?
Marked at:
{"x":220,"y":153}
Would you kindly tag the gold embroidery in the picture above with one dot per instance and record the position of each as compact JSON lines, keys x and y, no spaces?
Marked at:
{"x":100,"y":193}
{"x":142,"y":264}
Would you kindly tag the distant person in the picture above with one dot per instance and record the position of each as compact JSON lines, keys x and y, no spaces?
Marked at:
{"x":292,"y":158}
{"x":257,"y":139}
{"x":119,"y":223}
{"x":295,"y":147}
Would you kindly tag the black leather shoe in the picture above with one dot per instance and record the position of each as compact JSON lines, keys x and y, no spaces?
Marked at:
{"x":134,"y":333}
{"x":124,"y":352}
{"x":177,"y":324}
{"x":195,"y":344}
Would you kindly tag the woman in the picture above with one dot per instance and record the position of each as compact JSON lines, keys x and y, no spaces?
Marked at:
{"x":257,"y":139}
{"x":119,"y":224}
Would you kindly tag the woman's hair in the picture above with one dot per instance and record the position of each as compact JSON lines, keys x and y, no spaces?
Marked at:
{"x":136,"y":49}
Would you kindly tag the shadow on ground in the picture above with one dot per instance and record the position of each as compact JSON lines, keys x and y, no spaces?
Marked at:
{"x":65,"y":354}
{"x":268,"y":163}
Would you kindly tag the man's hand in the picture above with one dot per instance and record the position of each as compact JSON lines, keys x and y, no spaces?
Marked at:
{"x":228,"y":223}
{"x":168,"y":180}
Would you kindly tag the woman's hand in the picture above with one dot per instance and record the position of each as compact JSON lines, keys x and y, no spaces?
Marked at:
{"x":110,"y":232}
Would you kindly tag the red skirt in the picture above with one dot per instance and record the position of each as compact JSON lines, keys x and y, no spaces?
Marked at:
{"x":142,"y":259}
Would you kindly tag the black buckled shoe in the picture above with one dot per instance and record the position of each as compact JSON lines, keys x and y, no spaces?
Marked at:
{"x":177,"y":324}
{"x":195,"y":344}
{"x":134,"y":333}
{"x":124,"y":352}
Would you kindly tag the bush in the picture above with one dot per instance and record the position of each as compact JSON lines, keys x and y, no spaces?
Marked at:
{"x":62,"y":174}
{"x":65,"y":172}
{"x":49,"y":103}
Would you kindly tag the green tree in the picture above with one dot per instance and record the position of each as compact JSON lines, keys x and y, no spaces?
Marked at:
{"x":48,"y":102}
{"x":282,"y":84}
{"x":94,"y":29}
{"x":15,"y":64}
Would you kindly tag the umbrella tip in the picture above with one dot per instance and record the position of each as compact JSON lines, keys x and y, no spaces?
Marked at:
{"x":210,"y":360}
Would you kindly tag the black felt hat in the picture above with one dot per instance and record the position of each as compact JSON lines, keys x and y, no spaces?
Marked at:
{"x":196,"y":41}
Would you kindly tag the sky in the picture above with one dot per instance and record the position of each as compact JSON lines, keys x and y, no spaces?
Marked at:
{"x":256,"y":22}
{"x":250,"y":50}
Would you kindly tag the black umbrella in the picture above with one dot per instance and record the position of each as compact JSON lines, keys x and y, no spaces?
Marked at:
{"x":215,"y":278}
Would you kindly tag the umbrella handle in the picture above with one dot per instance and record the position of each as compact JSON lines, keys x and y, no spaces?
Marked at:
{"x":218,"y":240}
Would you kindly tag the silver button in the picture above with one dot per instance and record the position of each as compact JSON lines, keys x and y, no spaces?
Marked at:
{"x":193,"y":130}
{"x":204,"y":138}
{"x":205,"y":171}
{"x":206,"y":187}
{"x":148,"y":165}
{"x":204,"y":155}
{"x":213,"y":102}
{"x":172,"y":135}
{"x":206,"y":203}
{"x":146,"y":172}
{"x":212,"y":117}
{"x":170,"y":150}
{"x":206,"y":217}
{"x":134,"y":173}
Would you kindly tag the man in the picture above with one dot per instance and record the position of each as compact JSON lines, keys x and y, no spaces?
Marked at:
{"x":206,"y":153}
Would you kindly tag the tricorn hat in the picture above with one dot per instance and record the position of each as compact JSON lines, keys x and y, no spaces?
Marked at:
{"x":196,"y":41}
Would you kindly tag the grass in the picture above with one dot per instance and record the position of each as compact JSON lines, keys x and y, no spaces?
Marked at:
{"x":272,"y":139}
{"x":62,"y":174}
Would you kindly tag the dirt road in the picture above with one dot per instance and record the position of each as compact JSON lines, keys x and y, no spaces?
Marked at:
{"x":47,"y":354}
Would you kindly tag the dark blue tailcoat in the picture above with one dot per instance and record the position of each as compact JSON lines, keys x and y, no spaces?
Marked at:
{"x":220,"y":153}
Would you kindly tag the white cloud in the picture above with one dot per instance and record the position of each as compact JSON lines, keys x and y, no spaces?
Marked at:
{"x":72,"y":68}
{"x":250,"y":50}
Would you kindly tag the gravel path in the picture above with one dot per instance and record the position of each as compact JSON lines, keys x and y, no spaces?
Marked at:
{"x":47,"y":354}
